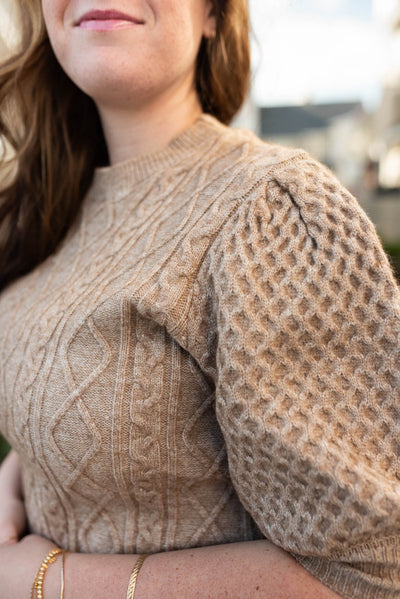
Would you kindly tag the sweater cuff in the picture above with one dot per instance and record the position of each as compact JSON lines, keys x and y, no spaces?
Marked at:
{"x":367,"y":571}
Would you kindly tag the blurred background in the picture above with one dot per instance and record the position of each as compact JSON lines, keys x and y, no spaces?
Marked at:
{"x":326,"y":77}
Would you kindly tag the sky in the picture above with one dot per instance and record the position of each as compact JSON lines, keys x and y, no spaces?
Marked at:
{"x":314,"y":50}
{"x":355,"y":9}
{"x":322,"y":50}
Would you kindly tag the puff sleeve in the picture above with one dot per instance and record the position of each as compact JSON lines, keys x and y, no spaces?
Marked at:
{"x":307,"y":314}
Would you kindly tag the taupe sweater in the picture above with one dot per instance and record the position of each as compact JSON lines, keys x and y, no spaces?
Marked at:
{"x":213,"y":351}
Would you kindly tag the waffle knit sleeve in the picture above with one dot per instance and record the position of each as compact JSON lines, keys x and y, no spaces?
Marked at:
{"x":307,"y":314}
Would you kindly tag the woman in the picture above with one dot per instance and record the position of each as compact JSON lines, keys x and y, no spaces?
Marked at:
{"x":199,"y":333}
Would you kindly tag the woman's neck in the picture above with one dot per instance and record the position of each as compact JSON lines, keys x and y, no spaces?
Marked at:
{"x":135,"y":132}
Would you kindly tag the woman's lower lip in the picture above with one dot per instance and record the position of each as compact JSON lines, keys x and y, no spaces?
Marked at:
{"x":106,"y":24}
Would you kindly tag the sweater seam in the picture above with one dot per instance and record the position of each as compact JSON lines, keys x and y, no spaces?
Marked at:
{"x":371,"y":544}
{"x":265,"y":178}
{"x":345,"y":585}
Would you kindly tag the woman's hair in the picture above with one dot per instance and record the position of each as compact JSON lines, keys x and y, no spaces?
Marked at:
{"x":223,"y":62}
{"x":51,"y":136}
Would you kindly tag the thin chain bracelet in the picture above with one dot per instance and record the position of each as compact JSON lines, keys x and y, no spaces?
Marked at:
{"x":62,"y":586}
{"x":37,"y":586}
{"x":133,"y":578}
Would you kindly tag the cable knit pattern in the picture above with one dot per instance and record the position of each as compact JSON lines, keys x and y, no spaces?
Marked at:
{"x":212,"y":355}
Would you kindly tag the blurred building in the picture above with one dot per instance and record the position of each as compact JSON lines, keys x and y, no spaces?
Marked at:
{"x":249,"y":116}
{"x":385,"y":150}
{"x":338,"y":134}
{"x":335,"y":133}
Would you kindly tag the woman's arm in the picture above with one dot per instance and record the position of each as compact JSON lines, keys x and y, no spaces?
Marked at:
{"x":237,"y":571}
{"x":307,"y":375}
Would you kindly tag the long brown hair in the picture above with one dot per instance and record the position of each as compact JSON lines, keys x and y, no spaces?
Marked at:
{"x":51,"y":131}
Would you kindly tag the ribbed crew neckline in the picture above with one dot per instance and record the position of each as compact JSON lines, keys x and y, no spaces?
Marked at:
{"x":119,"y":178}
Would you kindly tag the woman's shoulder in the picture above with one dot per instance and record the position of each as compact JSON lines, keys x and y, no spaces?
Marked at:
{"x":290,"y":201}
{"x":267,"y":197}
{"x":279,"y":177}
{"x":242,"y":147}
{"x":293,"y":170}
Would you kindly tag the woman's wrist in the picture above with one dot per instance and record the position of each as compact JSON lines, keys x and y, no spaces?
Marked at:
{"x":54,"y":577}
{"x":38,"y":582}
{"x":86,"y":576}
{"x":82,"y":575}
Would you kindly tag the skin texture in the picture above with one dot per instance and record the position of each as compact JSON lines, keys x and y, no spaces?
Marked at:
{"x":136,"y":75}
{"x":142,"y":81}
{"x":132,"y":66}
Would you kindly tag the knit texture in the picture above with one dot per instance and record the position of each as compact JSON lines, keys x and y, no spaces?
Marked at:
{"x":212,"y":355}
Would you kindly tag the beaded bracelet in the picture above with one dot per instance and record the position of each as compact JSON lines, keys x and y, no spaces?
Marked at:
{"x":37,"y":586}
{"x":133,"y":578}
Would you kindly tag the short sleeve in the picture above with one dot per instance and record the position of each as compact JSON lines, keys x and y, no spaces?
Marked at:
{"x":307,"y":314}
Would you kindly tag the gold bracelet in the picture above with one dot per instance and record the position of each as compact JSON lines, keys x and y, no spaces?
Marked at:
{"x":62,"y":586}
{"x":133,"y":578}
{"x":37,"y":586}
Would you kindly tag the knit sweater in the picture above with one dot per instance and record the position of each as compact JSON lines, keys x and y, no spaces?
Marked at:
{"x":212,"y":355}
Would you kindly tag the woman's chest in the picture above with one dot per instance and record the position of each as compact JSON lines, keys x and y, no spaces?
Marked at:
{"x":88,"y":367}
{"x":95,"y":393}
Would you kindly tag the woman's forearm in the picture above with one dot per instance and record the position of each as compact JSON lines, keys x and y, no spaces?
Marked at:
{"x":235,"y":571}
{"x":238,"y":571}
